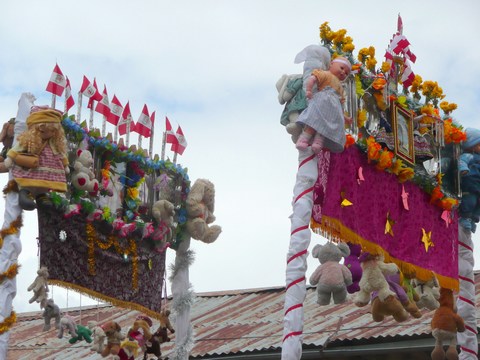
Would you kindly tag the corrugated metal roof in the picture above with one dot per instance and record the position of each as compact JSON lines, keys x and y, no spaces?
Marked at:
{"x":226,"y":322}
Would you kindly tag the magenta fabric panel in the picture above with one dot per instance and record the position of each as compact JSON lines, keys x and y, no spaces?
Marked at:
{"x":375,"y":197}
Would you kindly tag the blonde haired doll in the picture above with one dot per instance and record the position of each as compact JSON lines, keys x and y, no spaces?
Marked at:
{"x":44,"y":138}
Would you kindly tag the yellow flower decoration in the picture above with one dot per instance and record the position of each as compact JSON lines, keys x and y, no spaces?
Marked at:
{"x":447,"y":107}
{"x":386,"y":66}
{"x":361,"y":118}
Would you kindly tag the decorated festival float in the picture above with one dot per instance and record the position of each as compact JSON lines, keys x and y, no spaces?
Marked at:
{"x":107,"y":213}
{"x":388,"y":203}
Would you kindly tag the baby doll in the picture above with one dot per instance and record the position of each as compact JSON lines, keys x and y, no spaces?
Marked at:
{"x":324,"y":118}
{"x":469,"y":167}
{"x":45,"y":138}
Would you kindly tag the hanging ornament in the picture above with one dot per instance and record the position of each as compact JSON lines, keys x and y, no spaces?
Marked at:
{"x":345,"y":202}
{"x":404,"y":198}
{"x":150,"y":264}
{"x":426,"y":239}
{"x":62,"y":235}
{"x":360,"y":175}
{"x":389,"y":225}
{"x":447,"y":217}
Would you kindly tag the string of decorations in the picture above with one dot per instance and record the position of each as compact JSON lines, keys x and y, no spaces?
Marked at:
{"x":8,"y":322}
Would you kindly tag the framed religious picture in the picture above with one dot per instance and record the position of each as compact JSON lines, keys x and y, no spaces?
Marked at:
{"x":402,"y":124}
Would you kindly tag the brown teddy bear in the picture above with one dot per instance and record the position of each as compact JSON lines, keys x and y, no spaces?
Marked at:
{"x":200,"y":206}
{"x":445,"y":325}
{"x":160,"y":336}
{"x":140,"y":331}
{"x":114,"y":338}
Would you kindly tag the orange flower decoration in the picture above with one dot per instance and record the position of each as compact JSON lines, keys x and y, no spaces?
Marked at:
{"x":350,"y":140}
{"x":379,"y":82}
{"x":436,"y":195}
{"x":373,"y":149}
{"x":385,"y":160}
{"x":405,"y":174}
{"x":448,"y":203}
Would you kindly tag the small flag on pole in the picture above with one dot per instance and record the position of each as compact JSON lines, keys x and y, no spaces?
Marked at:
{"x":144,"y":123}
{"x":125,"y":118}
{"x":89,"y":90}
{"x":170,"y":135}
{"x":69,"y":101}
{"x":181,"y":144}
{"x":95,"y":97}
{"x":57,"y":82}
{"x":103,"y":106}
{"x":116,"y":110}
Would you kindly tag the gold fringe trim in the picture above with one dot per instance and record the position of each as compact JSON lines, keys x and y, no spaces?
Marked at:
{"x":99,"y":296}
{"x":8,"y":322}
{"x":15,"y":225}
{"x":11,"y":186}
{"x":11,"y":272}
{"x":129,"y":250}
{"x":334,"y":230}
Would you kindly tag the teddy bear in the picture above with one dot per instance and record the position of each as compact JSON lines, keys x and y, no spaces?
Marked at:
{"x":83,"y":177}
{"x":140,"y":331}
{"x":51,"y":311}
{"x":445,"y":325}
{"x":160,"y":336}
{"x":200,"y":207}
{"x":163,"y":211}
{"x":352,"y":262}
{"x":395,"y":283}
{"x":373,"y":279}
{"x":331,"y":277}
{"x":128,"y":350}
{"x":67,"y":323}
{"x":83,"y":333}
{"x":98,"y":336}
{"x":429,"y":293}
{"x":6,"y":137}
{"x":40,"y":287}
{"x":114,"y":338}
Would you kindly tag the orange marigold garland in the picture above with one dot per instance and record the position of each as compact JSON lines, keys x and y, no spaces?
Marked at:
{"x":8,"y":322}
{"x":11,"y":272}
{"x":15,"y":225}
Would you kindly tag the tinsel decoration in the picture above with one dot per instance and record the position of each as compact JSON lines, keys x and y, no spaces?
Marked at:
{"x":15,"y":225}
{"x":11,"y":272}
{"x":8,"y":322}
{"x":129,"y":250}
{"x":11,"y":186}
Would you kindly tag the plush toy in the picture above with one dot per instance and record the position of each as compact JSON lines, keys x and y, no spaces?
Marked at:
{"x":395,"y":284}
{"x":391,"y":306}
{"x":128,"y":350}
{"x":445,"y":325}
{"x":83,"y":333}
{"x":200,"y":206}
{"x":352,"y":262}
{"x":83,"y":177}
{"x":160,"y":336}
{"x":6,"y":137}
{"x":67,"y":323}
{"x":429,"y":293}
{"x":331,"y":277}
{"x":140,"y":331}
{"x":98,"y":336}
{"x":40,"y":287}
{"x":114,"y":338}
{"x":51,"y":311}
{"x":373,"y":278}
{"x":163,"y":212}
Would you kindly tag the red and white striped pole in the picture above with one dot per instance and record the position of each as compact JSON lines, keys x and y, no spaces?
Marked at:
{"x":466,"y":298}
{"x":300,"y":236}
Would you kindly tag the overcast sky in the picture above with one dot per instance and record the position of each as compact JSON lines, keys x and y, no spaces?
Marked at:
{"x":211,"y":66}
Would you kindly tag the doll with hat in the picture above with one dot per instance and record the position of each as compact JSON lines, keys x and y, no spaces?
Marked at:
{"x":469,"y":167}
{"x":43,"y":144}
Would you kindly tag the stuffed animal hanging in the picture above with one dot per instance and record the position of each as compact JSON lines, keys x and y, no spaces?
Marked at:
{"x":140,"y":331}
{"x":67,"y":323}
{"x":40,"y":287}
{"x":352,"y":262}
{"x":445,"y":325}
{"x":114,"y":338}
{"x":429,"y":292}
{"x":83,"y":333}
{"x":160,"y":336}
{"x":128,"y":350}
{"x":331,"y":277}
{"x":98,"y":336}
{"x":51,"y":311}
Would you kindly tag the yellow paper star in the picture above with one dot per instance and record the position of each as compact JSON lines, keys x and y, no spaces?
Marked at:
{"x":389,"y":225}
{"x":345,"y":202}
{"x":426,"y":239}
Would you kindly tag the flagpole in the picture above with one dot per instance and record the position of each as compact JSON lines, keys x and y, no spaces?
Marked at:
{"x":104,"y":125}
{"x":150,"y":147}
{"x":164,"y":139}
{"x":140,"y":141}
{"x":79,"y":108}
{"x":129,"y":119}
{"x":90,"y":127}
{"x":53,"y":101}
{"x":174,"y":157}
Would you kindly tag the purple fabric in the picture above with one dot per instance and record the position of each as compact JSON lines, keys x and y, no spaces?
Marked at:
{"x":378,"y":195}
{"x":68,"y":262}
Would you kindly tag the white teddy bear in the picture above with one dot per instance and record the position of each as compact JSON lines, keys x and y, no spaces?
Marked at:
{"x":98,"y":335}
{"x":40,"y":287}
{"x":429,"y":292}
{"x":200,"y":206}
{"x":163,"y":211}
{"x":83,"y":177}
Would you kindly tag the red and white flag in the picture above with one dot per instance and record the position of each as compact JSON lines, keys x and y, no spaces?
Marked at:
{"x":181,"y":144}
{"x":57,"y":82}
{"x":94,"y":97}
{"x":399,"y":25}
{"x":103,"y":106}
{"x":144,"y":123}
{"x":69,"y":101}
{"x":170,"y":137}
{"x":89,"y":90}
{"x":124,"y":119}
{"x":116,"y":110}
